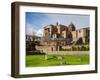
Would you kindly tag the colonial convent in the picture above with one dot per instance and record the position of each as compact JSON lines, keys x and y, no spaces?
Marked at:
{"x":66,"y":34}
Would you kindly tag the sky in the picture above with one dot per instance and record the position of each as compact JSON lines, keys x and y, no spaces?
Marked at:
{"x":36,"y":21}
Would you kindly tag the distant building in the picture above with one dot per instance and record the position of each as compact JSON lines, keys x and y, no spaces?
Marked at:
{"x":32,"y":38}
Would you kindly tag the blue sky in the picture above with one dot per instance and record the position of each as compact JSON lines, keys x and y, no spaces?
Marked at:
{"x":36,"y":21}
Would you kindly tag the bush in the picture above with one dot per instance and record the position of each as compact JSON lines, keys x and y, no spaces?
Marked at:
{"x":83,"y":48}
{"x":69,"y":49}
{"x":87,"y":49}
{"x":30,"y":46}
{"x":74,"y":48}
{"x":79,"y":48}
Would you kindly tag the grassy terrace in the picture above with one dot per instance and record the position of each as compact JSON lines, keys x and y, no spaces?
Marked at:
{"x":52,"y":60}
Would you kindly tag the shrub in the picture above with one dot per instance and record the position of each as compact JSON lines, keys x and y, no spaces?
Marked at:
{"x":30,"y":46}
{"x":87,"y":49}
{"x":83,"y":48}
{"x":69,"y":49}
{"x":79,"y":49}
{"x":74,"y":48}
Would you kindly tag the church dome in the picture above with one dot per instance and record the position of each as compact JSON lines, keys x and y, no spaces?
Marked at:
{"x":71,"y":27}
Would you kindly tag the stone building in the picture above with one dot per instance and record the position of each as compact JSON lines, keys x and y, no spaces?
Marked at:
{"x":59,"y":35}
{"x":66,"y":35}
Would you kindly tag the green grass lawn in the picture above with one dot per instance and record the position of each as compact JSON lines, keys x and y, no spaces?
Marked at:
{"x":52,"y":60}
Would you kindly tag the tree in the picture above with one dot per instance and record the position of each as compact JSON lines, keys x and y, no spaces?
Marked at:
{"x":46,"y":38}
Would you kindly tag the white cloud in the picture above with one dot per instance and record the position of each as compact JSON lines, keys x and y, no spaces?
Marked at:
{"x":39,"y":32}
{"x":30,"y":30}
